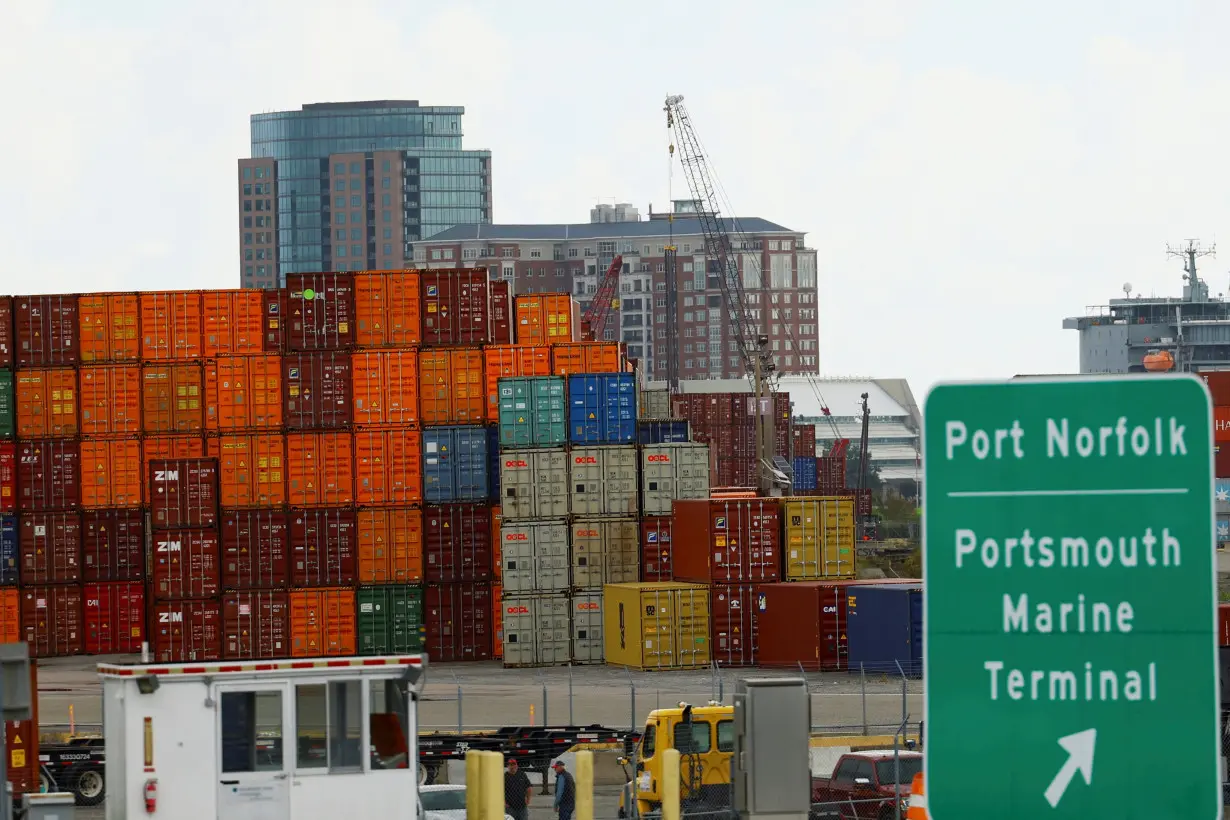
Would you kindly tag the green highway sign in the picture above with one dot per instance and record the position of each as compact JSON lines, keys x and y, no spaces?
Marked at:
{"x":1070,"y":600}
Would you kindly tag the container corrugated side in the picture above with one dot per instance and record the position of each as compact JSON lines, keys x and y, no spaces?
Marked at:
{"x":317,"y":390}
{"x":534,"y":483}
{"x":662,"y":431}
{"x":110,"y":400}
{"x":172,"y":325}
{"x":255,"y":549}
{"x":255,"y":625}
{"x":455,"y":309}
{"x":10,"y":551}
{"x":183,"y":492}
{"x":52,"y":620}
{"x":670,"y":472}
{"x":10,"y":615}
{"x":110,"y":327}
{"x":185,"y":564}
{"x":172,"y":398}
{"x":111,"y":473}
{"x":457,"y":621}
{"x":656,"y":548}
{"x":605,"y":551}
{"x":6,"y":333}
{"x":585,"y":357}
{"x":587,"y":630}
{"x":654,"y":404}
{"x":114,"y":615}
{"x":452,"y":386}
{"x":322,"y":622}
{"x":320,"y":469}
{"x":656,"y":625}
{"x":804,"y":472}
{"x":320,"y":311}
{"x":243,"y":393}
{"x":727,"y":541}
{"x":504,"y":361}
{"x":50,"y":548}
{"x":457,"y":543}
{"x":8,"y":405}
{"x":8,"y":477}
{"x":388,"y":308}
{"x":48,"y":475}
{"x":47,"y":403}
{"x":251,"y":469}
{"x":534,"y":557}
{"x":537,"y":630}
{"x":46,"y":330}
{"x":545,"y":318}
{"x":324,"y":547}
{"x":533,"y":412}
{"x":455,"y":464}
{"x":603,"y":480}
{"x":184,"y":631}
{"x":234,"y":322}
{"x":501,"y":312}
{"x":732,"y":613}
{"x":389,"y":467}
{"x":170,"y":447}
{"x":885,"y":628}
{"x":390,"y":619}
{"x":385,"y":384}
{"x":602,"y":408}
{"x":820,"y":537}
{"x":113,"y":545}
{"x":390,"y":546}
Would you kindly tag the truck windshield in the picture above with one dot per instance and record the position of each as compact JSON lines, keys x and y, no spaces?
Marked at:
{"x":886,"y":769}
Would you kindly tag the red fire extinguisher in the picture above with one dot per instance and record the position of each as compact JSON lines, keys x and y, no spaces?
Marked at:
{"x":151,"y":795}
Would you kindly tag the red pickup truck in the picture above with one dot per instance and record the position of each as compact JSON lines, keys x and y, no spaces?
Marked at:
{"x":865,"y":785}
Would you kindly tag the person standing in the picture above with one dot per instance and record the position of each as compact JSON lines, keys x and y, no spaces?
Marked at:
{"x":565,"y":792}
{"x":517,"y":791}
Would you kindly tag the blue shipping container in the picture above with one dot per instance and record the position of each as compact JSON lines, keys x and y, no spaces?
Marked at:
{"x":662,"y":431}
{"x":602,"y":408}
{"x":9,"y":555}
{"x":455,"y":464}
{"x":493,"y":462}
{"x":532,"y":411}
{"x":884,"y":628}
{"x":805,"y":472}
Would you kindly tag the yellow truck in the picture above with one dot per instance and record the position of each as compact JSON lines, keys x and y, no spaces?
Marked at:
{"x":704,"y":737}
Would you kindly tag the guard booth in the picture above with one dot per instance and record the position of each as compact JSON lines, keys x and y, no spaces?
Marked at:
{"x":265,"y":740}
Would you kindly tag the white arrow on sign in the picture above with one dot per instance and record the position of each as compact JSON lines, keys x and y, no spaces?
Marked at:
{"x":1080,"y":758}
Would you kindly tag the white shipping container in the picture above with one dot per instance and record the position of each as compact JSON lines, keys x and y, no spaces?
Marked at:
{"x":587,"y":628}
{"x":655,"y":404}
{"x":673,"y":471}
{"x":537,"y":630}
{"x":605,"y":551}
{"x":534,"y":483}
{"x":534,"y":557}
{"x":602,"y":480}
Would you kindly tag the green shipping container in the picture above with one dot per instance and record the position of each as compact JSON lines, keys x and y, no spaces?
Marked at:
{"x":390,"y":619}
{"x":8,"y":405}
{"x":533,"y":411}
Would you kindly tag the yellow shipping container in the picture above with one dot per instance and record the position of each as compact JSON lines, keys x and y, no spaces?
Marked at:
{"x":820,"y":533}
{"x":656,"y":625}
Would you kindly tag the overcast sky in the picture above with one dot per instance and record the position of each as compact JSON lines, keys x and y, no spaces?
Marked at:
{"x":971,"y":172}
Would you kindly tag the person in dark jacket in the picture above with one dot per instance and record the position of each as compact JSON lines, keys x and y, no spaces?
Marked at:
{"x":517,"y":791}
{"x":565,"y":792}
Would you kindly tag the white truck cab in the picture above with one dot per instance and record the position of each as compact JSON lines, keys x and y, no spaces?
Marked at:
{"x":263,"y":740}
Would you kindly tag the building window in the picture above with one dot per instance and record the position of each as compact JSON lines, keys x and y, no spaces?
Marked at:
{"x":356,"y":183}
{"x":572,"y":253}
{"x":247,"y":190}
{"x":260,"y":173}
{"x":247,"y":172}
{"x":340,"y":185}
{"x":247,"y":255}
{"x":388,"y":249}
{"x":260,"y":204}
{"x":341,"y":234}
{"x":339,"y":202}
{"x":339,"y":168}
{"x":388,"y":216}
{"x":589,"y":251}
{"x":355,"y":234}
{"x":448,"y":253}
{"x":384,"y":166}
{"x":340,"y":218}
{"x":386,"y":182}
{"x":773,"y":244}
{"x":356,"y":250}
{"x":247,"y":271}
{"x":356,"y":167}
{"x":687,"y":248}
{"x":356,"y":201}
{"x":536,"y":254}
{"x":469,"y":253}
{"x":247,"y":222}
{"x":340,"y":251}
{"x":247,"y":204}
{"x":435,"y":254}
{"x":247,"y":239}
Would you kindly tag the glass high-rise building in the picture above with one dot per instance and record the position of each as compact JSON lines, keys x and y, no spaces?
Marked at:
{"x":352,"y":186}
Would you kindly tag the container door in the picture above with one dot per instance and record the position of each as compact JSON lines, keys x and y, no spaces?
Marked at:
{"x":253,"y":769}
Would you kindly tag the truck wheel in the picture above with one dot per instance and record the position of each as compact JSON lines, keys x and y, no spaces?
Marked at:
{"x":46,"y":783}
{"x":89,"y":787}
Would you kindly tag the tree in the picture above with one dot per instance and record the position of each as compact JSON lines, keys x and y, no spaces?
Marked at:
{"x":873,"y":472}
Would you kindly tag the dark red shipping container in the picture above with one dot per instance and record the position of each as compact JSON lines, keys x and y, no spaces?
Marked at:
{"x":501,"y":312}
{"x":656,"y":548}
{"x":46,"y":330}
{"x":1223,"y":624}
{"x":1218,"y":382}
{"x":803,"y":440}
{"x":48,"y":475}
{"x":317,"y":390}
{"x":321,"y":311}
{"x":732,"y":618}
{"x":274,"y":320}
{"x":454,"y":304}
{"x":183,"y":492}
{"x":255,"y":549}
{"x":50,"y":545}
{"x":457,"y":543}
{"x":185,"y":564}
{"x":114,"y":617}
{"x":51,"y":620}
{"x":726,"y":542}
{"x":8,"y":477}
{"x":183,"y":631}
{"x":6,"y":333}
{"x":324,"y":547}
{"x":255,"y":625}
{"x":113,"y":545}
{"x":457,"y":622}
{"x":1221,"y":461}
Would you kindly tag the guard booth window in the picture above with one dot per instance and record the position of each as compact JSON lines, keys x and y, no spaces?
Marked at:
{"x":692,"y":738}
{"x":329,"y":726}
{"x":251,"y":731}
{"x":388,"y":725}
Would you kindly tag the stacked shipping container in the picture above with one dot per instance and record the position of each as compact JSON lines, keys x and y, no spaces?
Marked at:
{"x":1218,"y":383}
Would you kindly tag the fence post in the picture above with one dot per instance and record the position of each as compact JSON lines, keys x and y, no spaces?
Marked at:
{"x":632,"y":701}
{"x":670,"y":784}
{"x":571,"y":722}
{"x":585,"y":785}
{"x":545,"y":721}
{"x":862,"y":674}
{"x":460,"y":714}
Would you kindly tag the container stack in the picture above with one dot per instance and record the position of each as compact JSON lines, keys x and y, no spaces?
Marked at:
{"x":1218,"y":382}
{"x":727,"y":422}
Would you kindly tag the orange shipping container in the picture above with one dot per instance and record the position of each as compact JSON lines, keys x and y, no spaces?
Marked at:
{"x":110,"y":327}
{"x":171,"y":325}
{"x":319,"y":469}
{"x":388,"y":307}
{"x":47,"y":402}
{"x":159,"y":447}
{"x":507,"y":361}
{"x":391,"y":546}
{"x":546,"y":318}
{"x":110,"y":399}
{"x":585,"y":357}
{"x":251,"y":469}
{"x":243,"y":392}
{"x":385,"y":385}
{"x":233,"y":322}
{"x":452,"y":386}
{"x":172,"y":398}
{"x":322,"y":622}
{"x":10,"y":615}
{"x":388,"y":467}
{"x":111,"y":474}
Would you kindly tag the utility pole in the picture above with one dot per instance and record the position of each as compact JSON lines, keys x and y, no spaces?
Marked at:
{"x":762,"y":401}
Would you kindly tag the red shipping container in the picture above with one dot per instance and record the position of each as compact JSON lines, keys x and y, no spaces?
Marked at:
{"x":317,"y":390}
{"x":656,"y":548}
{"x":46,"y":330}
{"x":48,"y":475}
{"x":321,"y":311}
{"x":255,"y":549}
{"x":457,"y":543}
{"x":1221,"y":460}
{"x":457,"y":622}
{"x":455,"y":310}
{"x":113,"y":545}
{"x":726,"y":542}
{"x":21,"y":745}
{"x":6,"y":332}
{"x":732,"y":619}
{"x":1218,"y":382}
{"x":114,"y":617}
{"x":803,"y":440}
{"x":50,"y":548}
{"x":1223,"y":624}
{"x":324,"y":547}
{"x":184,"y":631}
{"x":255,"y":625}
{"x":8,"y":477}
{"x":183,"y":492}
{"x":501,"y":312}
{"x":185,"y":564}
{"x":1221,"y":423}
{"x":51,"y":620}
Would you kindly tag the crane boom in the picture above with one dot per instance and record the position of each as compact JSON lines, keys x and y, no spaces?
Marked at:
{"x":593,"y":323}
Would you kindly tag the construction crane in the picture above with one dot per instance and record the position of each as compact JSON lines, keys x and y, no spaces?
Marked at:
{"x":720,"y":249}
{"x":593,"y":323}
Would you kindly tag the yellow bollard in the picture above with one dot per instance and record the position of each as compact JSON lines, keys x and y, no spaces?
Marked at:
{"x":492,"y":792}
{"x":585,"y":785}
{"x":473,"y":784}
{"x":670,"y":784}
